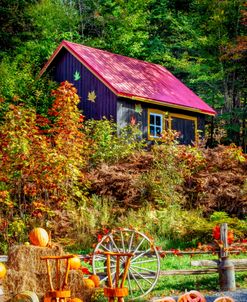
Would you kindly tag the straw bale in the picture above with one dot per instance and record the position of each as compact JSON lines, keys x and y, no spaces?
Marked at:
{"x":15,"y":282}
{"x":76,"y":285}
{"x":27,"y":272}
{"x":27,"y":257}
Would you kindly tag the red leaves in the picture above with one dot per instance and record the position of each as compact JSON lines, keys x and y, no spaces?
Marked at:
{"x":42,"y":157}
{"x":216,"y":235}
{"x":99,"y":237}
{"x":101,"y":233}
{"x":176,"y":252}
{"x":216,"y":232}
{"x":230,"y":237}
{"x":85,"y":270}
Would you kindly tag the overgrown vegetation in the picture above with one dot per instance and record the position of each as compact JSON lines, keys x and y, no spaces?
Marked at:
{"x":76,"y":178}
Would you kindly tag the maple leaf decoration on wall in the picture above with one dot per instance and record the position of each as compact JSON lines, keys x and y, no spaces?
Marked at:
{"x":77,"y":75}
{"x":138,"y":109}
{"x":91,"y":96}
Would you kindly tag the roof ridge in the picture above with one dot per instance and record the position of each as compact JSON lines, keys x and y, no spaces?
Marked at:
{"x":113,"y":53}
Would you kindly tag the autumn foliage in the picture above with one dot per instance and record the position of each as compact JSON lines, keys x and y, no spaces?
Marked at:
{"x":75,"y":178}
{"x":216,"y":234}
{"x":41,"y":158}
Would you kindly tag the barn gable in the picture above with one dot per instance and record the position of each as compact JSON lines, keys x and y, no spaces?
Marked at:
{"x":97,"y":100}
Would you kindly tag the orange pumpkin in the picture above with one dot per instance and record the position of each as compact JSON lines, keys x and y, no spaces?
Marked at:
{"x":224,"y":299}
{"x":2,"y":271}
{"x":192,"y":296}
{"x":88,"y":283}
{"x":74,"y":263}
{"x":39,"y":237}
{"x":95,"y":279}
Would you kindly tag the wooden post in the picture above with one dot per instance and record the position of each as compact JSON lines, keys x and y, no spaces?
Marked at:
{"x":226,"y":267}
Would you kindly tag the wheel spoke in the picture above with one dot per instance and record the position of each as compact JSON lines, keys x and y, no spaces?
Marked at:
{"x":108,"y":250}
{"x":122,"y":239}
{"x":131,"y":241}
{"x":100,"y":257}
{"x":140,"y":255}
{"x":137,"y":282}
{"x":142,"y":276}
{"x":106,"y":277}
{"x":139,"y":245}
{"x":144,"y":261}
{"x":113,"y":242}
{"x":143,"y":269}
{"x":129,"y":284}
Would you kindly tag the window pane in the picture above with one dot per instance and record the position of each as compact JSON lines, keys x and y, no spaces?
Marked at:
{"x":158,"y":120}
{"x":158,"y":131}
{"x":155,"y":124}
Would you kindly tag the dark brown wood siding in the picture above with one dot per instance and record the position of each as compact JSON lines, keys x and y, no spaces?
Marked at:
{"x":65,"y":67}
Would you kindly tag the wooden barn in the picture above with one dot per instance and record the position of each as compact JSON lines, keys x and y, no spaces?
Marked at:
{"x":129,"y":91}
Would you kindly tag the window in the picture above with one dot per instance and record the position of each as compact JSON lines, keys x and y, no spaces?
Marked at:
{"x":186,"y":125}
{"x":155,"y":124}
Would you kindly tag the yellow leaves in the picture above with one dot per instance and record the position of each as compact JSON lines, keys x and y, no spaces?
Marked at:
{"x":38,"y":164}
{"x":91,"y":96}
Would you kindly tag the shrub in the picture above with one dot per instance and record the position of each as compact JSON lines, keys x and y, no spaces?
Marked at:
{"x":110,"y":144}
{"x":41,"y":160}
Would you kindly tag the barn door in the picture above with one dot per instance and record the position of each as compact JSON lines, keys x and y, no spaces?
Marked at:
{"x":186,"y":125}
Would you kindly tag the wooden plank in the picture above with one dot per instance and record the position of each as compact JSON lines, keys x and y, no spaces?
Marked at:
{"x":208,"y":263}
{"x":188,"y":272}
{"x":196,"y":272}
{"x":214,"y":263}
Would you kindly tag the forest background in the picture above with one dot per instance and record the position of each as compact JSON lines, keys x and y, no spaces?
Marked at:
{"x":70,"y":187}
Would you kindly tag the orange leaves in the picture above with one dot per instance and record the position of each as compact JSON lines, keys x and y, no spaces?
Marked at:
{"x":41,"y":158}
{"x":216,"y":235}
{"x":216,"y":232}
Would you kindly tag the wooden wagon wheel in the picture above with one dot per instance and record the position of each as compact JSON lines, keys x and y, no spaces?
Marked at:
{"x":144,"y":265}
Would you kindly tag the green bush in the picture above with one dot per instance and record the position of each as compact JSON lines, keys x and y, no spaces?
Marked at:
{"x":110,"y":144}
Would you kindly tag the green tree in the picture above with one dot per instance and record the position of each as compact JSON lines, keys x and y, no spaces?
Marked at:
{"x":48,"y":22}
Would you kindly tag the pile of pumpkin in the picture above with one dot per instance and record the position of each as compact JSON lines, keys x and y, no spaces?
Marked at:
{"x":24,"y":264}
{"x":40,"y":237}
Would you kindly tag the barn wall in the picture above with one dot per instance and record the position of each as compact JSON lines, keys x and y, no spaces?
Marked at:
{"x":127,"y":110}
{"x":64,"y":68}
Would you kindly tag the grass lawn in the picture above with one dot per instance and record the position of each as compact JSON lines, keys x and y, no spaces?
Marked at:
{"x":178,"y":284}
{"x":175,"y":285}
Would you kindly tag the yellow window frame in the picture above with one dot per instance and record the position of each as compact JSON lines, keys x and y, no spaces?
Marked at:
{"x":155,"y":111}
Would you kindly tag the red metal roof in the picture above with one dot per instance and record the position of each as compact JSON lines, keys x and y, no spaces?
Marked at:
{"x":135,"y":79}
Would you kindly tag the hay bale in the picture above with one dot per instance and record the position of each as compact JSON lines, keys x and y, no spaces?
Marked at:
{"x":27,"y":272}
{"x":16,"y":282}
{"x":77,"y":288}
{"x":27,"y":257}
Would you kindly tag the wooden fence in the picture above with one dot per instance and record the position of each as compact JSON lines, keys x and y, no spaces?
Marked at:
{"x":224,"y":266}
